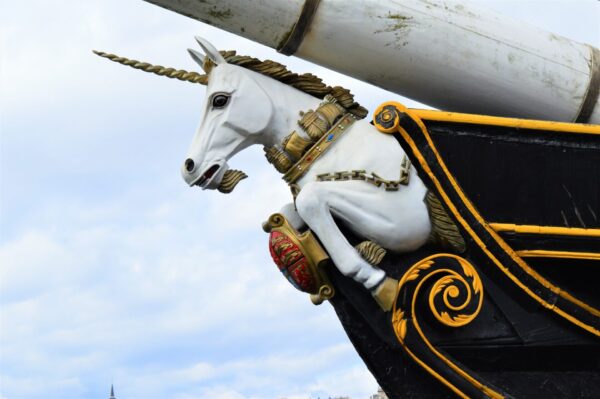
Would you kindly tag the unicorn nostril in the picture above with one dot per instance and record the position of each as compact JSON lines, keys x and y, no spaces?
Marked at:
{"x":189,"y":164}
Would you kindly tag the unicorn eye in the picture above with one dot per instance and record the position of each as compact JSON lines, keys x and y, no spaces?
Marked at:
{"x":220,"y":100}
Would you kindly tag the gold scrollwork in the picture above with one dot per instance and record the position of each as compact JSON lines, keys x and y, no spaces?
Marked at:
{"x":449,"y":288}
{"x":445,"y":291}
{"x":455,"y":299}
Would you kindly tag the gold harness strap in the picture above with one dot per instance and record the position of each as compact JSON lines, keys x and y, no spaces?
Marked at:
{"x":305,"y":162}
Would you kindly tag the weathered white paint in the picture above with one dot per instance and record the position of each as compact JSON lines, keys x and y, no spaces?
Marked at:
{"x":449,"y":54}
{"x":263,"y":111}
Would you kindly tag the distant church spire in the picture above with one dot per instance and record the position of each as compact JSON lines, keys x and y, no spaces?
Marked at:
{"x":112,"y":392}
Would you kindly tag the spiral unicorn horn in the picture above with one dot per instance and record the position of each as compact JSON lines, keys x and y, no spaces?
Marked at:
{"x":231,"y":177}
{"x":160,"y":70}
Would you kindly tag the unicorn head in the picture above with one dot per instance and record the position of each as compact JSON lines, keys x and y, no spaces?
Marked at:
{"x":224,"y":130}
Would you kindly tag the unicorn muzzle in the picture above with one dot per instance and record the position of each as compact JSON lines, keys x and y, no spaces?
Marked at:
{"x":217,"y":176}
{"x":202,"y":176}
{"x":209,"y":178}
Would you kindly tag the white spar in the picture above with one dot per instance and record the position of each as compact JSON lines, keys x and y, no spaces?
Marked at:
{"x":452,"y":55}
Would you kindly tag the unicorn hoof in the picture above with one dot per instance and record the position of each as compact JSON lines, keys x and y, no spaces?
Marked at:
{"x":385,"y":294}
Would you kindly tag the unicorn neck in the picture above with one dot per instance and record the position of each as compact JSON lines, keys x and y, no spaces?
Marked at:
{"x":299,"y":121}
{"x":287,"y":105}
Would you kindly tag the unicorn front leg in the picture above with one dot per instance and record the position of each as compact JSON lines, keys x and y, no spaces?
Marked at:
{"x":315,"y":205}
{"x":292,"y":216}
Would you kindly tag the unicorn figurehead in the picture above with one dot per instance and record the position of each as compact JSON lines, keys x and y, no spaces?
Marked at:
{"x":296,"y":117}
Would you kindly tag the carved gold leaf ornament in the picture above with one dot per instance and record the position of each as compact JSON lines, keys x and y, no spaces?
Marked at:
{"x":371,"y":252}
{"x":313,"y":125}
{"x":444,"y":231}
{"x":399,"y":324}
{"x":296,"y":154}
{"x":231,"y":178}
{"x":413,"y":272}
{"x":449,"y":286}
{"x":331,"y":111}
{"x":317,"y":149}
{"x":323,"y":126}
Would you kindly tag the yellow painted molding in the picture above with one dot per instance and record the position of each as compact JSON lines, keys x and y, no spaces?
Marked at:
{"x":562,"y":127}
{"x":541,"y":253}
{"x":550,"y":230}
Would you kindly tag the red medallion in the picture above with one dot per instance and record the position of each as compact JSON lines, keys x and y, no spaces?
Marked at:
{"x":292,"y":262}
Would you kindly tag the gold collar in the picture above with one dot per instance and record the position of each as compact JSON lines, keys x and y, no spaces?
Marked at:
{"x":322,"y":126}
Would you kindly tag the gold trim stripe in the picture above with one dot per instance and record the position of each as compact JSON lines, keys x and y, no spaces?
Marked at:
{"x":431,"y":371}
{"x":562,"y":127}
{"x":542,"y":253}
{"x":550,"y":230}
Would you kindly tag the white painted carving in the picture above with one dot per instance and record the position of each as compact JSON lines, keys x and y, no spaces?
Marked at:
{"x":261,"y":110}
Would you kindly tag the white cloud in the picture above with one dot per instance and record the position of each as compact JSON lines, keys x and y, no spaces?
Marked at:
{"x":280,"y":375}
{"x":92,"y":296}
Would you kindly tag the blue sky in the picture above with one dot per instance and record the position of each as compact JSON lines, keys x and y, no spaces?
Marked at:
{"x":112,"y":270}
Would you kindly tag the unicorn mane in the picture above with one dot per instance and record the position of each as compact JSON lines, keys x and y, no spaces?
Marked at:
{"x":306,"y":82}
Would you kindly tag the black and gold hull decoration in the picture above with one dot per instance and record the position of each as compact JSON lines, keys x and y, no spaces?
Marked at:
{"x":512,"y":309}
{"x":505,"y":200}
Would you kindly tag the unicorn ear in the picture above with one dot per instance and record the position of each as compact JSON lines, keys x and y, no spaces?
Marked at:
{"x":196,"y":56}
{"x":211,"y":52}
